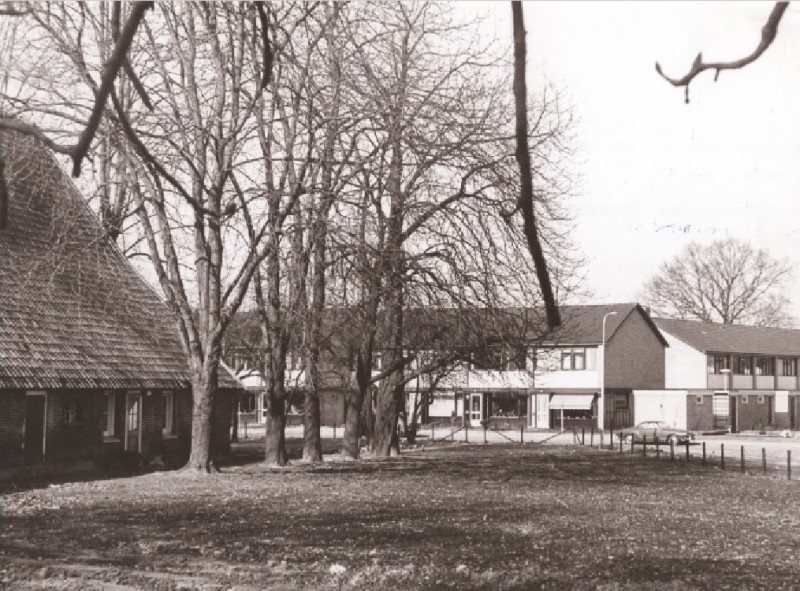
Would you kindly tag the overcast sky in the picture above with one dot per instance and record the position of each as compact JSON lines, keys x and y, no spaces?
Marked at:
{"x":658,"y":173}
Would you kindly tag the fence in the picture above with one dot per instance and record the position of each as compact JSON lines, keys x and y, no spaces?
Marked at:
{"x":745,"y":459}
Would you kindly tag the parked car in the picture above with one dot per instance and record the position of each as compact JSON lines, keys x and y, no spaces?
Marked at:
{"x":652,"y":429}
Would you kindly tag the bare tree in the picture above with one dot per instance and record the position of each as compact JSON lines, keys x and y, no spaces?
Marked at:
{"x":726,"y":281}
{"x":438,"y":191}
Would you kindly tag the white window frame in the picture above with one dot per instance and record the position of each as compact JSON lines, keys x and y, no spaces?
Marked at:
{"x":744,"y":399}
{"x":108,"y":428}
{"x":169,"y":413}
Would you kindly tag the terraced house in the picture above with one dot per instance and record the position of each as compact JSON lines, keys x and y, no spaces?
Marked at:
{"x":558,"y":377}
{"x":90,"y":361}
{"x":508,"y":371}
{"x":726,"y":377}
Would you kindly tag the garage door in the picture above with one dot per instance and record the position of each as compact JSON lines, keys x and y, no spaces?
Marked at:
{"x":660,"y":405}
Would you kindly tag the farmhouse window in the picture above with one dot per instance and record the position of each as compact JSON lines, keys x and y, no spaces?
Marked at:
{"x":698,"y":400}
{"x":765,"y":366}
{"x":789,"y":366}
{"x":169,"y":414}
{"x":71,"y":411}
{"x":107,"y":420}
{"x":744,"y":398}
{"x":761,"y":399}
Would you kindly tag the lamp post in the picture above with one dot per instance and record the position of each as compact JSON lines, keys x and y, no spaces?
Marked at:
{"x":601,"y":404}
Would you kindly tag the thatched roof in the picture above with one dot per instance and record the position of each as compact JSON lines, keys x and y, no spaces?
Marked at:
{"x":73,"y":312}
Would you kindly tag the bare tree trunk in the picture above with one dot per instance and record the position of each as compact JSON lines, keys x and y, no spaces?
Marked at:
{"x":204,"y":389}
{"x":312,"y":442}
{"x":354,"y":399}
{"x":275,"y":440}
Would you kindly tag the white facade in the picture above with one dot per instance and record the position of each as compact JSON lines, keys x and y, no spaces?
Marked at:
{"x":660,"y":405}
{"x":685,"y":366}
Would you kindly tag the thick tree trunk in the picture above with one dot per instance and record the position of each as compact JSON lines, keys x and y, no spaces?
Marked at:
{"x":354,"y":399}
{"x":312,"y":442}
{"x":384,"y":441}
{"x":204,"y":389}
{"x":275,"y":440}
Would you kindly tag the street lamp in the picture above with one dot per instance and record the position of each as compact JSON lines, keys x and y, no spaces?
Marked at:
{"x":601,"y":405}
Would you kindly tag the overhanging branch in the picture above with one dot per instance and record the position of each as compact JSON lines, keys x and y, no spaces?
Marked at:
{"x":768,"y":33}
{"x":524,"y":161}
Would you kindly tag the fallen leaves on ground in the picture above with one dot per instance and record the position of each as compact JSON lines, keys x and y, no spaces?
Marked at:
{"x":459,"y":517}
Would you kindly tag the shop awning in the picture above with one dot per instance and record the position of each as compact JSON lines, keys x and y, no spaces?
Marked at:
{"x":571,"y":401}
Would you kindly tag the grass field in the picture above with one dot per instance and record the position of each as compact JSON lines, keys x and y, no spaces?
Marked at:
{"x":458,"y":516}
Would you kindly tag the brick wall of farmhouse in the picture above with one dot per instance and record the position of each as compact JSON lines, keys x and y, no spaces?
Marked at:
{"x":634,"y":356}
{"x":74,"y":431}
{"x":12,"y":421}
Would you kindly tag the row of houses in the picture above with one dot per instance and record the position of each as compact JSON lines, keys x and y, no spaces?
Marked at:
{"x":613,"y":360}
{"x":91,"y":365}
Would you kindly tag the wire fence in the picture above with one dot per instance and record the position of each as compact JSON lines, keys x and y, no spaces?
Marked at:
{"x":770,"y":459}
{"x":746,"y":459}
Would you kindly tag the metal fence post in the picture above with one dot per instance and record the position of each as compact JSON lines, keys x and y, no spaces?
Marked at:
{"x":764,"y":460}
{"x":583,"y":435}
{"x":671,"y":450}
{"x":742,"y":452}
{"x":644,"y":446}
{"x":521,"y":434}
{"x":484,"y":432}
{"x":704,"y":452}
{"x":591,"y":438}
{"x":334,"y":430}
{"x":687,"y":450}
{"x":722,"y":454}
{"x":789,"y":464}
{"x":601,"y":440}
{"x":620,"y":444}
{"x":433,"y":432}
{"x":658,"y":449}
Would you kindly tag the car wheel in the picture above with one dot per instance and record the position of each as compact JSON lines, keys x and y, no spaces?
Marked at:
{"x":672,"y":440}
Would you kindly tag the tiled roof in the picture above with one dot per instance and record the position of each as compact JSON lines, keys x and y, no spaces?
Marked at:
{"x":581,"y":325}
{"x":733,"y":338}
{"x":73,"y":312}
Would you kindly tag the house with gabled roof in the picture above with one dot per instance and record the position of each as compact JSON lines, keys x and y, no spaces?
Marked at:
{"x":726,"y":377}
{"x":90,"y":360}
{"x":557,"y":379}
{"x":509,"y":370}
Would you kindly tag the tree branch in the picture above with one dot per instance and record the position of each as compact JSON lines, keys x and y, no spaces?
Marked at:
{"x":107,"y":84}
{"x":768,"y":33}
{"x":126,"y":64}
{"x":524,"y":161}
{"x":266,"y":75}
